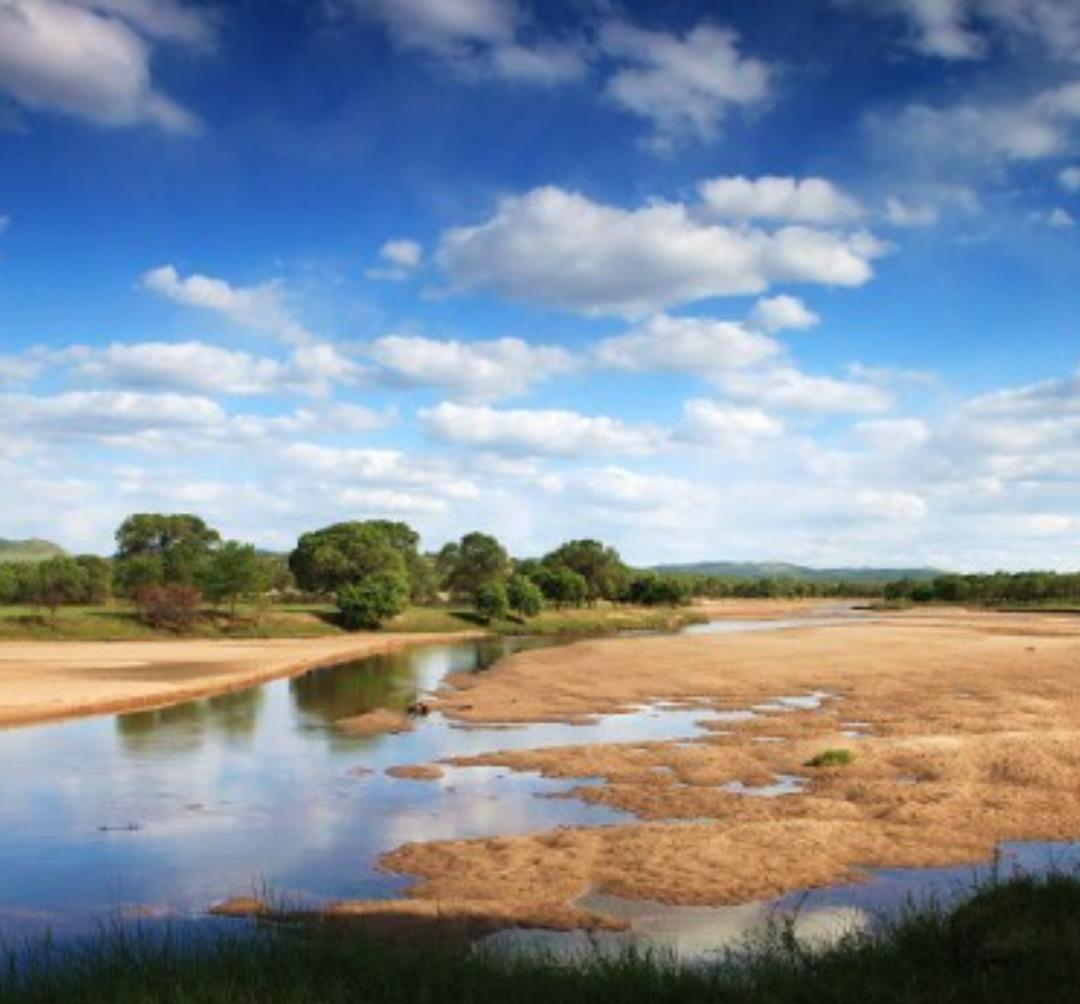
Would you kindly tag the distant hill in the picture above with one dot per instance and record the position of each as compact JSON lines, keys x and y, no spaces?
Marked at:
{"x":782,"y":570}
{"x":28,"y":550}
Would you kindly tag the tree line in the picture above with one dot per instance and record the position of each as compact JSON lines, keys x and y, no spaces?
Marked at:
{"x":990,"y":589}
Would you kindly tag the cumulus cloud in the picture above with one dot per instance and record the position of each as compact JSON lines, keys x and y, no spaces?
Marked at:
{"x":659,"y":497}
{"x":91,"y":58}
{"x":903,"y":214}
{"x":683,"y":85}
{"x":889,"y":435}
{"x":785,"y":387}
{"x":966,"y":29}
{"x":535,"y":432}
{"x":564,"y":250}
{"x":726,"y":426}
{"x":209,"y":369}
{"x":478,"y":370}
{"x":1060,"y":218}
{"x":783,"y":313}
{"x":984,"y":133}
{"x":480,"y":38}
{"x":261,"y":307}
{"x":696,"y":345}
{"x":797,"y":200}
{"x":890,"y":505}
{"x":1069,"y":178}
{"x":401,"y":258}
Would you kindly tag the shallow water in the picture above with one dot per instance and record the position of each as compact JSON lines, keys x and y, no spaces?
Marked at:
{"x":818,"y":916}
{"x":161,"y":813}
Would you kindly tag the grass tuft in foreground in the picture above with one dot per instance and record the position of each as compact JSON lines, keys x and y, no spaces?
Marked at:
{"x":1013,"y":942}
{"x":831,"y":758}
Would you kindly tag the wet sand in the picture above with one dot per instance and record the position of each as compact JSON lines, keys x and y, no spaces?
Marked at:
{"x":40,"y":681}
{"x":971,"y":737}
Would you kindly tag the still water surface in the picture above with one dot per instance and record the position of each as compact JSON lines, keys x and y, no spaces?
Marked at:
{"x":161,"y":813}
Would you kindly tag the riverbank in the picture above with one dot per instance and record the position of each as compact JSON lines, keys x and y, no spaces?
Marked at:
{"x":43,"y":681}
{"x":1013,"y":942}
{"x":962,"y":729}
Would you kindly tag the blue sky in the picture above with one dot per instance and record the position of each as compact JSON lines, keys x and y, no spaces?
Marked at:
{"x":773,"y":280}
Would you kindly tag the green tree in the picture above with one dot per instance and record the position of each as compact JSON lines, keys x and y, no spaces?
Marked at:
{"x":99,"y":578}
{"x":491,"y":602}
{"x":479,"y":560}
{"x":180,"y":541}
{"x":9,"y":584}
{"x":565,"y":588}
{"x":60,"y":580}
{"x":600,"y":566}
{"x":651,"y":589}
{"x":373,"y":600}
{"x":327,"y":560}
{"x":524,"y":596}
{"x":233,"y":572}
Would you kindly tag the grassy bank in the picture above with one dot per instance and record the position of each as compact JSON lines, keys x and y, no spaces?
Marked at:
{"x":120,"y":623}
{"x":1014,"y":942}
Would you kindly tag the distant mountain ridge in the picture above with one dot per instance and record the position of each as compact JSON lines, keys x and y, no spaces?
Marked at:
{"x":783,"y":570}
{"x":29,"y":550}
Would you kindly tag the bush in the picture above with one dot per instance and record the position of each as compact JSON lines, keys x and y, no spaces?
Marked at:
{"x":173,"y":608}
{"x":491,"y":602}
{"x":373,"y":601}
{"x":831,"y":758}
{"x":652,"y":590}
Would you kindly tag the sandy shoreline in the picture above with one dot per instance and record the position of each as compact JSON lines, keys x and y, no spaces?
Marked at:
{"x":46,"y":681}
{"x":971,"y":737}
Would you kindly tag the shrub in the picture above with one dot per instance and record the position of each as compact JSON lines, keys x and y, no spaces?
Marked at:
{"x":173,"y":608}
{"x":831,"y":758}
{"x":491,"y":602}
{"x":373,"y":600}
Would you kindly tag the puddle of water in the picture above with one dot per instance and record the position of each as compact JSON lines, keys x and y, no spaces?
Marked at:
{"x":784,"y":784}
{"x":819,"y":916}
{"x":170,"y":810}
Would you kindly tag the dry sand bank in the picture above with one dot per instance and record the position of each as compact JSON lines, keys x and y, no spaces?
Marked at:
{"x":974,"y":723}
{"x":40,"y":681}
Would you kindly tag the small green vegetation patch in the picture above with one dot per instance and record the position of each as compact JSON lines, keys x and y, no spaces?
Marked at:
{"x":831,"y":758}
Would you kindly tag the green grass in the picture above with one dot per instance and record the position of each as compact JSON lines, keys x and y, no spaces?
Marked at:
{"x":119,"y":622}
{"x":831,"y":758}
{"x":1012,"y":943}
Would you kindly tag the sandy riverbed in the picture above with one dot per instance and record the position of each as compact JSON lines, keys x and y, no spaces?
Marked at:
{"x":971,"y":736}
{"x":40,"y":681}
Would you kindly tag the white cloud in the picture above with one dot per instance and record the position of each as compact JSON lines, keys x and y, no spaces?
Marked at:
{"x":562,"y":249}
{"x":476,"y":38}
{"x":401,"y":259}
{"x":891,"y":505}
{"x":788,"y":388}
{"x":1053,"y":524}
{"x":695,"y":345}
{"x":904,"y":214}
{"x":684,"y":86}
{"x":614,"y":489}
{"x":967,"y":29}
{"x":889,"y":435}
{"x":535,"y":432}
{"x":796,"y":200}
{"x":783,"y":313}
{"x":261,"y":307}
{"x":726,"y":426}
{"x":190,"y":366}
{"x":106,"y":415}
{"x":372,"y":501}
{"x":478,"y":370}
{"x":1069,"y":179}
{"x":19,"y":368}
{"x":984,"y":133}
{"x":1060,"y":218}
{"x":91,"y":58}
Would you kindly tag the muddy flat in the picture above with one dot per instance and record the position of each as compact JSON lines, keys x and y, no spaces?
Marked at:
{"x":40,"y":681}
{"x":964,"y":728}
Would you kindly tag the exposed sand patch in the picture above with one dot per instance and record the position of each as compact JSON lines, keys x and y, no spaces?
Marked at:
{"x":379,"y":722}
{"x":417,"y":772}
{"x":973,"y":738}
{"x":51,"y":680}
